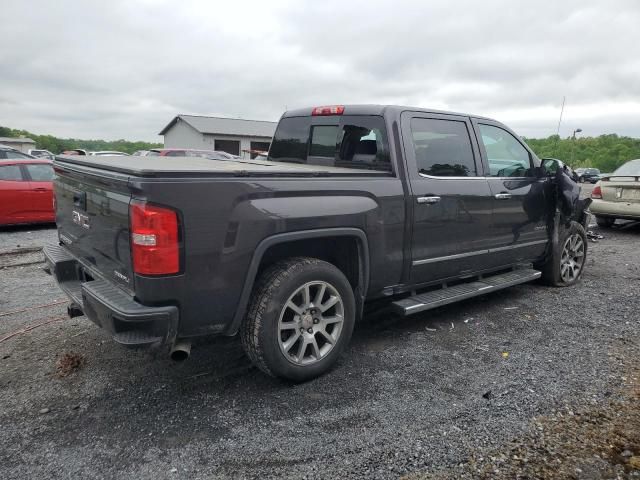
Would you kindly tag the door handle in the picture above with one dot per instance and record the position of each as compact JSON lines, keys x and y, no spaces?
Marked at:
{"x":503,"y":196}
{"x":39,"y":189}
{"x":428,"y":200}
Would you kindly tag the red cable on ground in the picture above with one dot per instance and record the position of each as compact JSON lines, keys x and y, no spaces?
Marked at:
{"x":31,"y":327}
{"x":4,"y":314}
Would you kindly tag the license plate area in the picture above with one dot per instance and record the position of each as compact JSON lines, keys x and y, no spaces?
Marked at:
{"x":632,"y":194}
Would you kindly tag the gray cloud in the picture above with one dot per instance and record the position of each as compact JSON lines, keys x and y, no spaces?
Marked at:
{"x":122,"y":69}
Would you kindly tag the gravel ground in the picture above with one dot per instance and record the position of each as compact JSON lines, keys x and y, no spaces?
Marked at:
{"x":420,"y":396}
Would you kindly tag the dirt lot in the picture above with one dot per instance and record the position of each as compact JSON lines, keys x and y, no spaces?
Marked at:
{"x":467,"y":390}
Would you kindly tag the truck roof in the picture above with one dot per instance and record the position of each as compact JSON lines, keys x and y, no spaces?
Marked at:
{"x":375,"y":109}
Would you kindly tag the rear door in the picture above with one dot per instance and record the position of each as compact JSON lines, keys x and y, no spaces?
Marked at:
{"x":41,"y":190}
{"x":520,"y":216}
{"x":14,"y":195}
{"x":451,"y":199}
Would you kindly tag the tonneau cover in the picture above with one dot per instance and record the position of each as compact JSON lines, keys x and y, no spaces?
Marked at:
{"x":195,"y":166}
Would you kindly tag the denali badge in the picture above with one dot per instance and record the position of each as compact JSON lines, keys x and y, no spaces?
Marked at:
{"x":80,"y":219}
{"x":121,"y":276}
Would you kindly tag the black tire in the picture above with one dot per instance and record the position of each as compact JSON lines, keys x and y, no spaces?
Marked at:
{"x":581,"y":179}
{"x":551,"y":268}
{"x":605,"y":222}
{"x":260,"y":334}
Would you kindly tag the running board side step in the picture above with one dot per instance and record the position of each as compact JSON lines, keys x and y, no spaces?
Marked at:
{"x":444,"y":296}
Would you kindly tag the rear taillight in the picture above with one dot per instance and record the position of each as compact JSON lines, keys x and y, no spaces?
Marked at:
{"x":596,"y":192}
{"x":328,"y":110}
{"x":154,"y":239}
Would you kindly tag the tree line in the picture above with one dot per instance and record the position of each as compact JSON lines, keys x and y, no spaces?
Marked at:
{"x":58,"y":145}
{"x":606,"y":152}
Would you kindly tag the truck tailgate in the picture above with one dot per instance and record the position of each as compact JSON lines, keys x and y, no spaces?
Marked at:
{"x":92,"y":213}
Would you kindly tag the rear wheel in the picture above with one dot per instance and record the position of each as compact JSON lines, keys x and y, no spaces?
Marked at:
{"x":565,"y":264}
{"x":300,"y":319}
{"x":605,"y":222}
{"x":581,"y":179}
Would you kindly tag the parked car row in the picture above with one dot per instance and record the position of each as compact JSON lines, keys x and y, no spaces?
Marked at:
{"x":162,"y":152}
{"x":186,"y":152}
{"x":101,"y":153}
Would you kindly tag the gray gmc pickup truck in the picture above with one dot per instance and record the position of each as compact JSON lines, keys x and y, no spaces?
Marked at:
{"x":353,"y":204}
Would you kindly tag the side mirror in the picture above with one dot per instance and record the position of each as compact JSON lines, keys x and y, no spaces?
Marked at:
{"x":550,"y":165}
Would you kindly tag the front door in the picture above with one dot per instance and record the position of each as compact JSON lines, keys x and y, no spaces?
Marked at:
{"x":451,"y":198}
{"x":520,"y":212}
{"x":41,"y":190}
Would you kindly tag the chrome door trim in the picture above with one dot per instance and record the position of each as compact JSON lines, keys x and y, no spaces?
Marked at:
{"x":518,"y":245}
{"x":477,"y":252}
{"x":449,"y":257}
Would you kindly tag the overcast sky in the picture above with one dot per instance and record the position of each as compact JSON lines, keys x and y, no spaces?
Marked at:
{"x":123,"y":69}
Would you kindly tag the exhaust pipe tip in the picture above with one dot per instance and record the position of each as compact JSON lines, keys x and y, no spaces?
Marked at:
{"x":180,"y":351}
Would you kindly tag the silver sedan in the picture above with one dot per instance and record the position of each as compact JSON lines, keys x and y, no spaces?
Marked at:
{"x":617,"y":195}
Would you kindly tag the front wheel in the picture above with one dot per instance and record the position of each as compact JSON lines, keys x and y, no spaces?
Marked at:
{"x":565,"y":265}
{"x":300,"y":319}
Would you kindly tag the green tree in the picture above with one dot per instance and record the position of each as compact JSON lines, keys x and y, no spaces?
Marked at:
{"x":57,"y":145}
{"x":606,"y":152}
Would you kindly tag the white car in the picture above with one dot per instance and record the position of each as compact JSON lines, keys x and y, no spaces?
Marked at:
{"x":111,"y":153}
{"x":38,"y":153}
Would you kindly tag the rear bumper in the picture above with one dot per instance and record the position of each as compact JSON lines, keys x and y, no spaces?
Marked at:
{"x":604,"y":208}
{"x":129,"y":322}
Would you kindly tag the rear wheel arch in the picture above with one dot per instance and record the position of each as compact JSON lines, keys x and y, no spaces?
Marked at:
{"x":337,"y":243}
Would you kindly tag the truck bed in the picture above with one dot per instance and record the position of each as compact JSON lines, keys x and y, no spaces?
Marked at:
{"x":195,"y":166}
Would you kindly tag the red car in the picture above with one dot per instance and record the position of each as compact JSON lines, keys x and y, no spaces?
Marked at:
{"x":26,"y":189}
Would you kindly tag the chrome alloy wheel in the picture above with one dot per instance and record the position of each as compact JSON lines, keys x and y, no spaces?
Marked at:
{"x":572,"y":258}
{"x":310,"y":323}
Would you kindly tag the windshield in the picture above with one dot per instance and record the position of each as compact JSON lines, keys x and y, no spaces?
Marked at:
{"x":629,"y":168}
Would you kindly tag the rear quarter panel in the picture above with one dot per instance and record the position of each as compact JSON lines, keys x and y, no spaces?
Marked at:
{"x":224,"y":220}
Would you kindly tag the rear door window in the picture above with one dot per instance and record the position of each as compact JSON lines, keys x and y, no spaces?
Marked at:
{"x":442,"y":148}
{"x":40,"y":172}
{"x":11,"y":173}
{"x":358,"y":141}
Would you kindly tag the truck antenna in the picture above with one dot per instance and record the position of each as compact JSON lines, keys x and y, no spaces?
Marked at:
{"x":561,"y":112}
{"x":559,"y":122}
